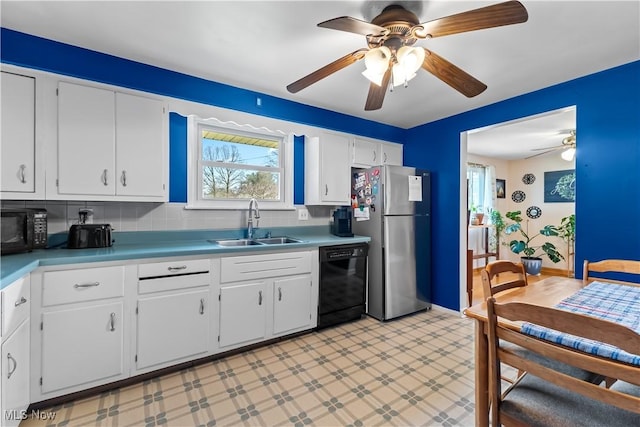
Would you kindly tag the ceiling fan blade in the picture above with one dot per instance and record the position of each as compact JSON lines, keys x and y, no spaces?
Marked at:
{"x":327,"y":70}
{"x":353,"y":25}
{"x":377,"y":93}
{"x":549,"y":148}
{"x":540,"y":154}
{"x":507,"y":13}
{"x":464,"y":83}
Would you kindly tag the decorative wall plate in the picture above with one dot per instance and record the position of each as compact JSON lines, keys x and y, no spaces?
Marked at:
{"x":534,"y":212}
{"x":518,"y":196}
{"x":528,"y":178}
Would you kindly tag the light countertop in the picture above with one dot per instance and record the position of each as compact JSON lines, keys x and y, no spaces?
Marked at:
{"x":155,"y":244}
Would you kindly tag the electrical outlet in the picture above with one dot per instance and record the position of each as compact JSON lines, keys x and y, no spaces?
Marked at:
{"x":303,"y":214}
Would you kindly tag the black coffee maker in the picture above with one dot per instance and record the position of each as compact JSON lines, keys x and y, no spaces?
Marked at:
{"x":341,"y":225}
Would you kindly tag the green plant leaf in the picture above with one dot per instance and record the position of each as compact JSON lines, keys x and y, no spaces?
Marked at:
{"x":517,"y":246}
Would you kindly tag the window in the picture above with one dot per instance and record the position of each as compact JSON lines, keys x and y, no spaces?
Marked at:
{"x":475,"y":186}
{"x":232,"y":164}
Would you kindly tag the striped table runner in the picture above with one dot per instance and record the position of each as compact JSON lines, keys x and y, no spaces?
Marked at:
{"x":609,"y":301}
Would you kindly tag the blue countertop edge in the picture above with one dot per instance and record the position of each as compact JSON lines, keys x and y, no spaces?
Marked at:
{"x":155,"y":244}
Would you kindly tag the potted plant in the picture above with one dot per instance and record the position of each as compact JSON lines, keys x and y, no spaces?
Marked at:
{"x":498,"y":224}
{"x":531,"y":253}
{"x":567,"y":231}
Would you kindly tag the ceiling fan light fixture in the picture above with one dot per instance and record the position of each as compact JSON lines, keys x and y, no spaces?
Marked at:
{"x":409,"y":60}
{"x":568,"y":154}
{"x":376,"y":62}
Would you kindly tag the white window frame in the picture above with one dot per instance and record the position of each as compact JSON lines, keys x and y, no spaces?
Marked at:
{"x":194,"y":177}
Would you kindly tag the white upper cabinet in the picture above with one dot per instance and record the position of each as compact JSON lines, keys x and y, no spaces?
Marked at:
{"x":366,"y":153}
{"x":328,"y":170}
{"x":18,"y":172}
{"x":391,"y":153}
{"x":86,"y":140}
{"x":111,"y":145}
{"x":139,"y":134}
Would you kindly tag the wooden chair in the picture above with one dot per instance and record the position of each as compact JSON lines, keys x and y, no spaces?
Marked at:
{"x":610,"y":266}
{"x":488,"y":275}
{"x":545,"y":397}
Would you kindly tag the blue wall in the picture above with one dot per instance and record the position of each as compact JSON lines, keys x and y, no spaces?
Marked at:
{"x":607,"y":161}
{"x":607,"y":168}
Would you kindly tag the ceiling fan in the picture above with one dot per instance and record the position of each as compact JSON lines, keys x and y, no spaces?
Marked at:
{"x":390,"y":58}
{"x":568,"y":145}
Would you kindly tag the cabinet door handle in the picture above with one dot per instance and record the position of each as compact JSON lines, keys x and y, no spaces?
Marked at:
{"x":86,"y":285}
{"x":385,"y":157}
{"x":104,"y":178}
{"x":279,"y":294}
{"x":21,"y":301}
{"x":123,"y":178}
{"x":375,"y":155}
{"x":259,"y":297}
{"x":15,"y":365}
{"x":201,"y":305}
{"x":326,"y":189}
{"x":112,"y":320}
{"x":23,"y":175}
{"x":181,"y":267}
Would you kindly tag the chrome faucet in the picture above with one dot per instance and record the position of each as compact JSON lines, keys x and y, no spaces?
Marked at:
{"x":252,"y":209}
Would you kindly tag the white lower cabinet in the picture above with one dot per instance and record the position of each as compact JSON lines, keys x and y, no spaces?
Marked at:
{"x":172,"y":327}
{"x":94,"y":324}
{"x":292,"y":302}
{"x":243,"y":313}
{"x":82,"y":345}
{"x":173,"y":313}
{"x":15,"y":352}
{"x":80,"y":329}
{"x":265,"y":296}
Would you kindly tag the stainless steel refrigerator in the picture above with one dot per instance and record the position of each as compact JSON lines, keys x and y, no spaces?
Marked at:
{"x":392,"y":206}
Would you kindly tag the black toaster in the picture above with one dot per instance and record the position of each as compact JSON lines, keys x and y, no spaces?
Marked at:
{"x":89,"y":236}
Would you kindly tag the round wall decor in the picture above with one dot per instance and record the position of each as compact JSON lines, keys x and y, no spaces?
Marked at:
{"x":518,"y":196}
{"x":534,"y":212}
{"x":528,"y":178}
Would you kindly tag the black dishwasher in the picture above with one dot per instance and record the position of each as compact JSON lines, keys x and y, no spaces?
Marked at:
{"x":343,"y":283}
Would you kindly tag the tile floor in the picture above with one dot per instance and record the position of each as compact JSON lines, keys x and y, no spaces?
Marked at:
{"x":413,"y":371}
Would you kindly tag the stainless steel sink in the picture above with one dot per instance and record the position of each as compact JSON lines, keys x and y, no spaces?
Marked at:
{"x":237,"y":242}
{"x":278,"y":240}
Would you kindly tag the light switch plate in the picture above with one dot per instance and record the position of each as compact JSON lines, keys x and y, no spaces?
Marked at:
{"x":303,"y":214}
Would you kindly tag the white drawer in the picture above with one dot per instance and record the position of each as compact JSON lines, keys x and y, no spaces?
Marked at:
{"x":67,"y":286}
{"x":16,"y":300}
{"x":159,"y":284}
{"x":250,"y":267}
{"x":170,"y":268}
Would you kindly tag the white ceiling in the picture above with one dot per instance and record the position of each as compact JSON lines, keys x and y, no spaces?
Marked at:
{"x":265,"y":45}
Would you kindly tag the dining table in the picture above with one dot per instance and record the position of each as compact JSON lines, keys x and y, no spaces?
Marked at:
{"x":547,"y":292}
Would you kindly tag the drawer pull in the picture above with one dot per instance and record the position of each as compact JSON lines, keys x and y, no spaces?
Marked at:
{"x":201,"y":305}
{"x":279,"y":294}
{"x":113,"y":321}
{"x":259,"y":297}
{"x":182,"y":267}
{"x":15,"y":365}
{"x":21,"y":301}
{"x":86,"y":285}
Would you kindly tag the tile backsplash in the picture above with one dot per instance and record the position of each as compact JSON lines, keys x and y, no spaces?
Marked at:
{"x":133,"y":216}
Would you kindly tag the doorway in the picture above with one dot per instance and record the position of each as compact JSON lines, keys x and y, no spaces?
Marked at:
{"x":523,"y":152}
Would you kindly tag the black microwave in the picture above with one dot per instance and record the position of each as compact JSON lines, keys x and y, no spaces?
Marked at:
{"x":23,"y":230}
